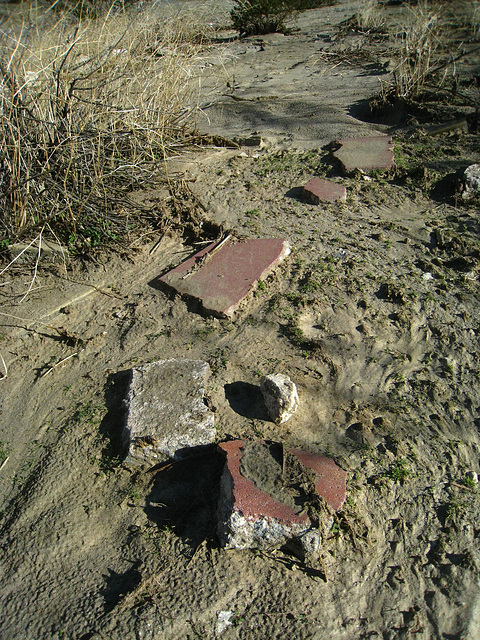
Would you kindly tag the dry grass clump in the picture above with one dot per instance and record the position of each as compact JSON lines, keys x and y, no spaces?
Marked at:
{"x":89,"y":9}
{"x":88,"y":112}
{"x":253,"y":17}
{"x":371,"y":16}
{"x":419,"y":44}
{"x":473,"y":20}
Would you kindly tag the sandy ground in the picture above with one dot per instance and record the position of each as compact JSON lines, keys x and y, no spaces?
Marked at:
{"x":374,"y":316}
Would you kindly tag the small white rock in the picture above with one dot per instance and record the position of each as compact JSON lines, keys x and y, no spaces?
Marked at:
{"x":473,"y":476}
{"x":472,"y":181}
{"x":280,"y":395}
{"x":223,"y":621}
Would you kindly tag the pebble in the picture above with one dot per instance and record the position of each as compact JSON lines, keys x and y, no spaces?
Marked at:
{"x":280,"y":395}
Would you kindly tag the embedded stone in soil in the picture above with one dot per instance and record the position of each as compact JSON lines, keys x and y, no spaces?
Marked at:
{"x":471,"y":178}
{"x":248,"y":517}
{"x":280,"y":396}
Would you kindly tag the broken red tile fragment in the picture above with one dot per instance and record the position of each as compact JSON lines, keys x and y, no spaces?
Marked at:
{"x":331,"y":480}
{"x":318,"y":190}
{"x":251,"y":501}
{"x":366,"y":154}
{"x":221,"y":275}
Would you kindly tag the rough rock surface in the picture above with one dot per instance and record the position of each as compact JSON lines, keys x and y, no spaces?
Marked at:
{"x":471,"y":178}
{"x":280,"y":395}
{"x":165,"y":410}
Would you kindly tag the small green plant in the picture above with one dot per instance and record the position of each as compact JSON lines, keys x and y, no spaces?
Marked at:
{"x":87,"y":413}
{"x":469,"y":482}
{"x":350,"y":501}
{"x":237,"y":621}
{"x":218,"y":360}
{"x":295,"y":332}
{"x":310,"y":284}
{"x":453,"y":509}
{"x":133,"y":494}
{"x":206,"y":330}
{"x":294,"y":297}
{"x":398,"y":471}
{"x":108,"y":461}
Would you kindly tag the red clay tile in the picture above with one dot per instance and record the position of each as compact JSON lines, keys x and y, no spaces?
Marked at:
{"x":374,"y":152}
{"x":221,"y":278}
{"x":250,"y":501}
{"x":318,"y":190}
{"x":331,"y":479}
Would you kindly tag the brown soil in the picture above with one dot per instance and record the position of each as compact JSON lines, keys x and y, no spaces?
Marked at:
{"x":374,"y":317}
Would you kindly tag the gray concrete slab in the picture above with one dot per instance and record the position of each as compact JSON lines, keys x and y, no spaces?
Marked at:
{"x":166,"y":412}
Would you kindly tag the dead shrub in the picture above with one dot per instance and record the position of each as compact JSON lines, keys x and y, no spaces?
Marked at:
{"x":419,"y":43}
{"x":371,"y":16}
{"x":253,"y":17}
{"x":88,"y":113}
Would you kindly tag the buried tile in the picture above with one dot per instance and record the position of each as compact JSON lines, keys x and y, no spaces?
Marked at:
{"x":366,"y":154}
{"x":249,"y":518}
{"x":330,"y":479}
{"x":261,"y":504}
{"x":166,"y":412}
{"x":318,"y":190}
{"x":222,"y":275}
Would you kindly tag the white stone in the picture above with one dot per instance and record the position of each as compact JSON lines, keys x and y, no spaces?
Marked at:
{"x":280,"y":395}
{"x":166,"y":412}
{"x":223,"y":621}
{"x":472,"y":476}
{"x":471,"y":181}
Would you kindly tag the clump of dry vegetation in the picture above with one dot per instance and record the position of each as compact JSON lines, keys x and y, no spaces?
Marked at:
{"x":426,"y":52}
{"x":251,"y":17}
{"x":89,"y":110}
{"x":417,"y":54}
{"x":371,"y":16}
{"x":473,"y":19}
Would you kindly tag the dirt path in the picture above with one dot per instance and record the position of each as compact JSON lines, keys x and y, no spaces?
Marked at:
{"x":375,"y":318}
